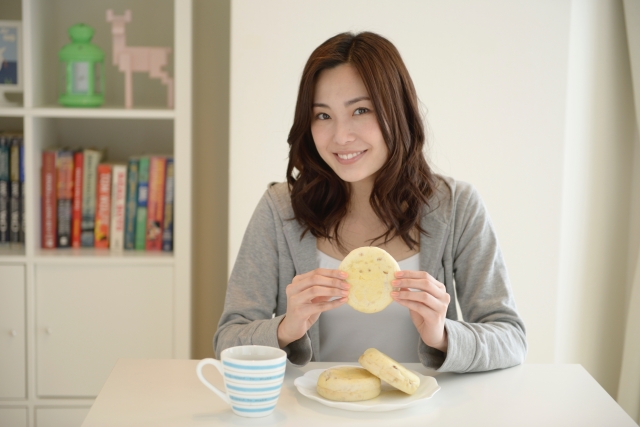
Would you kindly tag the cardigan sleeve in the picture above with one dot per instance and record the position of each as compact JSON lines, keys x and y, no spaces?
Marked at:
{"x":492,"y":334}
{"x":249,"y":316}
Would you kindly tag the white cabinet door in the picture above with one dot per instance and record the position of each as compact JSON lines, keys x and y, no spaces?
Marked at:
{"x":61,"y":417}
{"x":13,"y":417}
{"x":12,"y":333}
{"x":89,"y":316}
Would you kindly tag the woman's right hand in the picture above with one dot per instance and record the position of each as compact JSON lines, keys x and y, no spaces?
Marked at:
{"x":308,"y":295}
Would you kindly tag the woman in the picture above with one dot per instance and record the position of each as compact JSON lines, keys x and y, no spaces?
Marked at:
{"x":357,"y":177}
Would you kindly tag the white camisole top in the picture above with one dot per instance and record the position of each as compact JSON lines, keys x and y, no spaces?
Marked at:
{"x":346,"y":333}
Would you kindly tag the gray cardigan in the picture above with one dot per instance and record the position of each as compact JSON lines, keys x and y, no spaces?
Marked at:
{"x":461,"y":245}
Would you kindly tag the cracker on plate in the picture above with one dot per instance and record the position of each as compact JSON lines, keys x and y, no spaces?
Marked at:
{"x":387,"y":369}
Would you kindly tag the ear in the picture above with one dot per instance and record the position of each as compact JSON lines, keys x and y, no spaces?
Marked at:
{"x":109,"y":15}
{"x":127,"y":15}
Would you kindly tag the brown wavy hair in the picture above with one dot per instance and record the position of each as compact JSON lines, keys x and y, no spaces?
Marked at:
{"x":404,"y":184}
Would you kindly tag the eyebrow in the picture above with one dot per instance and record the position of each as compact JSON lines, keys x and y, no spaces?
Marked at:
{"x":347,"y":103}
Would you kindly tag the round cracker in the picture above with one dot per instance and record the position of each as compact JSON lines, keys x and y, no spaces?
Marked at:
{"x":387,"y":369}
{"x":348,"y":384}
{"x":371,"y":271}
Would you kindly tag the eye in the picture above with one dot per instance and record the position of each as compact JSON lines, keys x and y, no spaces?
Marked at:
{"x":360,"y":110}
{"x":322,"y":116}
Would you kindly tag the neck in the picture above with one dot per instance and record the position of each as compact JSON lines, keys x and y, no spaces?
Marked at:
{"x":359,"y":204}
{"x":119,"y":43}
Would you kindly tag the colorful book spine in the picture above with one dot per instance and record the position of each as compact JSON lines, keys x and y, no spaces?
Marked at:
{"x":141,"y":210}
{"x":48,"y":204}
{"x":103,"y":207}
{"x":118,"y":203}
{"x":89,"y":184}
{"x":64,"y":163}
{"x":132,"y":204}
{"x":14,"y":191}
{"x":76,"y":210}
{"x":167,"y":229}
{"x":23,"y":206}
{"x":4,"y":189}
{"x":155,"y":204}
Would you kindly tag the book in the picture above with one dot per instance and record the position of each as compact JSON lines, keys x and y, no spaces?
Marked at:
{"x":167,"y":228}
{"x":118,"y":202}
{"x":23,"y":206}
{"x":14,"y":190}
{"x":4,"y":188}
{"x":141,"y":209}
{"x":64,"y":166}
{"x":132,"y":204}
{"x":76,"y":209}
{"x":103,"y":206}
{"x":155,"y":203}
{"x":89,"y":184}
{"x":48,"y":204}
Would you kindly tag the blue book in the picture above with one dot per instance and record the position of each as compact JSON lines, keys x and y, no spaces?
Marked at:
{"x":131,"y":206}
{"x":14,"y":189}
{"x":4,"y":189}
{"x":143,"y":199}
{"x":23,"y":222}
{"x":167,"y":230}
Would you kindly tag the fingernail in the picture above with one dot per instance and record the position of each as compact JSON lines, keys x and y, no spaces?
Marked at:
{"x":394,"y":283}
{"x":394,"y":294}
{"x":343,"y":274}
{"x":399,"y":273}
{"x":345,"y":293}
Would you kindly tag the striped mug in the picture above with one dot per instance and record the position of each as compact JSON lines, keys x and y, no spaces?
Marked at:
{"x":253,"y":376}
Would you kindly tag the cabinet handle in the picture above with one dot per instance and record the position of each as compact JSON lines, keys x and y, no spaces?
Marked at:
{"x":13,"y":333}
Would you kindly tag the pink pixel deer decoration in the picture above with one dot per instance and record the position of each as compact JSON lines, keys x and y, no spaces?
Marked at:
{"x":131,"y":59}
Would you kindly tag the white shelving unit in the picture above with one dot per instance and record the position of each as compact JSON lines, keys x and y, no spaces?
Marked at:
{"x":67,"y":315}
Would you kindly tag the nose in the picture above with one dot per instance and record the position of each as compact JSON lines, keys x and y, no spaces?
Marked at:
{"x":343,"y":132}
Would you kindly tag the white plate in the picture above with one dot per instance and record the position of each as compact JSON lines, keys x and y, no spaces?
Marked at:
{"x":389,"y":399}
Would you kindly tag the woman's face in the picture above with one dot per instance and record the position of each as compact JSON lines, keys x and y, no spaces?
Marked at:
{"x":344,"y":127}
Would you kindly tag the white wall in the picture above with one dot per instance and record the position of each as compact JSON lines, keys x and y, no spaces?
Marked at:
{"x":493,"y":78}
{"x":596,"y":235}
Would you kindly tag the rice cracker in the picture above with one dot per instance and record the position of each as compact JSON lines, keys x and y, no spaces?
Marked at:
{"x":371,"y":271}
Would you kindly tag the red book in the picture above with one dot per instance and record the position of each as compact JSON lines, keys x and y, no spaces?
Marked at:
{"x":155,"y":203}
{"x":49,"y":206}
{"x":76,"y":212}
{"x":103,"y":206}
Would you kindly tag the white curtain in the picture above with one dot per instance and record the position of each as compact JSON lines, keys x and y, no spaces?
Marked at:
{"x":629,"y":385}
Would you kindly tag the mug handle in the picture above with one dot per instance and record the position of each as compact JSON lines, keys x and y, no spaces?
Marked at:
{"x":210,"y":386}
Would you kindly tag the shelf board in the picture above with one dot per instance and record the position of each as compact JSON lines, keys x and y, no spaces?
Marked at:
{"x":11,"y":252}
{"x":101,"y":256}
{"x":12,"y":112}
{"x":103,"y":113}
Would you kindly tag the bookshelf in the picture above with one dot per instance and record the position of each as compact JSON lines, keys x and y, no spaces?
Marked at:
{"x":67,"y":315}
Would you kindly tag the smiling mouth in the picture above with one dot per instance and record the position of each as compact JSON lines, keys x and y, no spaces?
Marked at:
{"x":349,"y":156}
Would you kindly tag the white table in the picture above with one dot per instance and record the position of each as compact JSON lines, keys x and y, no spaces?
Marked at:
{"x":167,"y":393}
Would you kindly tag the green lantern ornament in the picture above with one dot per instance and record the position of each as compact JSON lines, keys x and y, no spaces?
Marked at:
{"x":82,"y":70}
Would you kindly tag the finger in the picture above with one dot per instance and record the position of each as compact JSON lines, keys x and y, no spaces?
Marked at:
{"x":336,"y":274}
{"x":424,"y":298}
{"x":308,"y":295}
{"x":319,"y":280}
{"x":422,"y":310}
{"x":330,"y":305}
{"x":428,"y":284}
{"x":307,"y":311}
{"x":412,"y":274}
{"x":418,"y":286}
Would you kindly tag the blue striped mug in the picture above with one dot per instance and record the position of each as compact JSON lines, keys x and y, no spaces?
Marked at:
{"x":253,"y":376}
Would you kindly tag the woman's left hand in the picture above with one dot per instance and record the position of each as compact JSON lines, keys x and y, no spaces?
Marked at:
{"x":427,"y":306}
